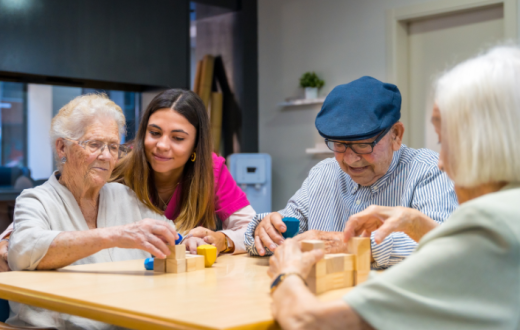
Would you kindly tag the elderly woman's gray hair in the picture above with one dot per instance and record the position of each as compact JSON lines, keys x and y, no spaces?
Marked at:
{"x":72,"y":120}
{"x":479,"y":102}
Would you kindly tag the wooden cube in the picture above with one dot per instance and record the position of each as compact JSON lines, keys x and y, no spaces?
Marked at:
{"x":360,"y":277}
{"x":317,"y":285}
{"x":339,"y":280}
{"x":339,"y":262}
{"x":177,"y":252}
{"x":194,"y":262}
{"x":175,"y":265}
{"x":159,"y":265}
{"x":360,"y":247}
{"x":309,"y":245}
{"x":319,"y":269}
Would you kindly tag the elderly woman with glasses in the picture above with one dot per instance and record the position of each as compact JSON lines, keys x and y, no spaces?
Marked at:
{"x":76,"y":217}
{"x":464,"y":274}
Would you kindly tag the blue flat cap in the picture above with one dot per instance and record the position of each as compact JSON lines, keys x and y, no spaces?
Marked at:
{"x":359,"y":110}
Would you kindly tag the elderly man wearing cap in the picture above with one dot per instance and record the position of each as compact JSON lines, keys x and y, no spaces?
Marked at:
{"x":371,"y":166}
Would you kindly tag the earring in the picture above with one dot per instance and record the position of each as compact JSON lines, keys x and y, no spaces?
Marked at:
{"x":64,"y":160}
{"x":193,"y":157}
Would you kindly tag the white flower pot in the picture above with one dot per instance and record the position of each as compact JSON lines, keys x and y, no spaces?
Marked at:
{"x":311,"y":92}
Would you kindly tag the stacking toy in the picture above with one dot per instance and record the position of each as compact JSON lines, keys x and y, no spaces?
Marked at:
{"x":148,"y":263}
{"x":293,"y":227}
{"x":209,"y":252}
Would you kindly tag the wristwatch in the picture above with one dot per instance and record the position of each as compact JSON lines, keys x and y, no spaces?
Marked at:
{"x":229,"y":247}
{"x":279,"y":279}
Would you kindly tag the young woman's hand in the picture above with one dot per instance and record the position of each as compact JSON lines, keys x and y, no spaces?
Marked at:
{"x":217,"y":239}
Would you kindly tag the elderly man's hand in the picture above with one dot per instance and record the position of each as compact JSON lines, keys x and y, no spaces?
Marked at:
{"x":4,"y":266}
{"x":267,"y":233}
{"x":333,"y":240}
{"x":288,"y":258}
{"x":386,"y":220}
{"x":148,"y":234}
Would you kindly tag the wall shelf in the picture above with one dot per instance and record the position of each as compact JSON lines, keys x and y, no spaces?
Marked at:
{"x":319,"y":149}
{"x":299,"y":102}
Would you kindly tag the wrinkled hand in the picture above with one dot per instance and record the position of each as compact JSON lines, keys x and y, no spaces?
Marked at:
{"x":333,"y":240}
{"x":148,"y":234}
{"x":4,"y":266}
{"x":267,"y":233}
{"x":386,"y":220}
{"x":289,"y":258}
{"x":209,"y":236}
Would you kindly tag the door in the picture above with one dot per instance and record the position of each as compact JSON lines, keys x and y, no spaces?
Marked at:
{"x":436,"y":44}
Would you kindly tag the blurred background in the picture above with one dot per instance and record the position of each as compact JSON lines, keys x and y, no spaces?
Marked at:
{"x":54,"y":50}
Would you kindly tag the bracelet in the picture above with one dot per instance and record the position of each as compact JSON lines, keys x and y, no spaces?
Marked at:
{"x":279,"y":279}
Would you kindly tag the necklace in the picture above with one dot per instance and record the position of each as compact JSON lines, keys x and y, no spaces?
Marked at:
{"x":165,"y":204}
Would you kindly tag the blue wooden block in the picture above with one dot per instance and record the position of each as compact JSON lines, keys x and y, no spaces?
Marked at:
{"x":178,"y":239}
{"x":293,"y":227}
{"x":148,"y":263}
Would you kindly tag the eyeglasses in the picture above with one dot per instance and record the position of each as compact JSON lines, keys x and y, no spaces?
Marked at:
{"x":116,"y":150}
{"x":358,"y":148}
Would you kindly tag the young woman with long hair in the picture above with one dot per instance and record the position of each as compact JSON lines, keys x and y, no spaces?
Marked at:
{"x":173,"y":171}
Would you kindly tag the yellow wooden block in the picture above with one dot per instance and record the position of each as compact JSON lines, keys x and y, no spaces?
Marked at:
{"x":209,"y":252}
{"x":360,"y":247}
{"x":177,"y":252}
{"x":312,"y":244}
{"x":159,"y":265}
{"x":194,"y":262}
{"x":175,"y":265}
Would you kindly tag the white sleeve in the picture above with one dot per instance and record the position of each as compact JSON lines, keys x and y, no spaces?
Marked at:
{"x":235,"y":227}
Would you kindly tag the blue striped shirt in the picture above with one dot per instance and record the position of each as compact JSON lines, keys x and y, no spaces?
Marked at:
{"x":328,"y":197}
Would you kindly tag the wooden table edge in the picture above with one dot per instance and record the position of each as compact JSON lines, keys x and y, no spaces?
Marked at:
{"x":107,"y":314}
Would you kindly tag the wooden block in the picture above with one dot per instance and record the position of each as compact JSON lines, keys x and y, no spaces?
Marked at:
{"x":360,"y":247}
{"x":360,"y":277}
{"x":177,"y":252}
{"x":194,"y":262}
{"x":159,"y":265}
{"x":339,"y":280}
{"x":335,"y":262}
{"x":317,"y":285}
{"x":319,"y":269}
{"x":310,"y":245}
{"x":175,"y":265}
{"x":209,"y":252}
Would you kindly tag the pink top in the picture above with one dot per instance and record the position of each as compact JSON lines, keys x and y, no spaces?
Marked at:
{"x":229,"y":198}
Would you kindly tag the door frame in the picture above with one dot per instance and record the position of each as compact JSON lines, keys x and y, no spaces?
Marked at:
{"x":397,"y":20}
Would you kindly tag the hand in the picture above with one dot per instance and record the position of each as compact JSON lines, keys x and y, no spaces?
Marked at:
{"x":216,"y":239}
{"x":4,"y":266}
{"x":148,"y":234}
{"x":192,"y":243}
{"x":333,"y":240}
{"x":267,"y":233}
{"x":386,"y":220}
{"x":289,"y":258}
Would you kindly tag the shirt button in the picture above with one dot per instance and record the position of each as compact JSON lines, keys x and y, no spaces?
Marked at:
{"x":358,"y":202}
{"x":375,"y":188}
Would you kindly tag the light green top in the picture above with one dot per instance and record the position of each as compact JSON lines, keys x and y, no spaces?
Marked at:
{"x":464,"y":274}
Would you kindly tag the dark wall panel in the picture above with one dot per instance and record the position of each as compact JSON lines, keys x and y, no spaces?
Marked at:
{"x":140,"y":42}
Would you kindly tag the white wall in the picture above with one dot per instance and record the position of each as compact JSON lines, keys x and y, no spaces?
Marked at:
{"x":341,"y":40}
{"x":39,"y":116}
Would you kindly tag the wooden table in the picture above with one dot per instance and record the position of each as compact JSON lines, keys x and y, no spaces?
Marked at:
{"x":233,"y":294}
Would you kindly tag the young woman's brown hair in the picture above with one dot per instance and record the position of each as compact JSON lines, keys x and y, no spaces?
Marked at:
{"x":197,"y":196}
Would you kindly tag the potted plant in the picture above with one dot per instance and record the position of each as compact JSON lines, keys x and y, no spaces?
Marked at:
{"x":311,"y":83}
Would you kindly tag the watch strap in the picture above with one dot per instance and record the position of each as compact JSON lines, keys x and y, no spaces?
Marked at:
{"x":280,"y":278}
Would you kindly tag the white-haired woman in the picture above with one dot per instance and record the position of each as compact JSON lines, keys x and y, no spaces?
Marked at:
{"x":464,"y":274}
{"x":76,"y":217}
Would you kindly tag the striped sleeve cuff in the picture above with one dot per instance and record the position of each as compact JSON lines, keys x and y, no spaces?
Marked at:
{"x":381,"y":252}
{"x":249,"y":236}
